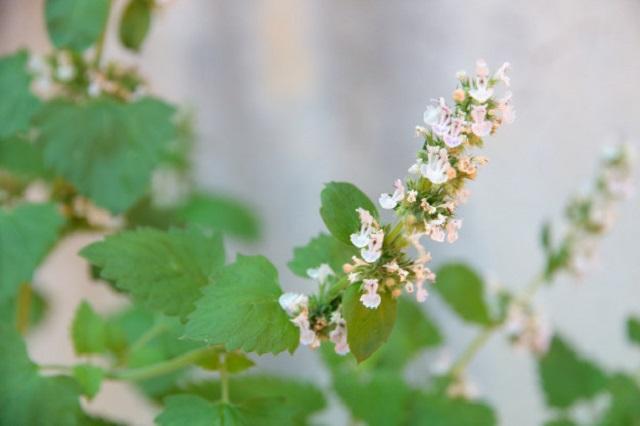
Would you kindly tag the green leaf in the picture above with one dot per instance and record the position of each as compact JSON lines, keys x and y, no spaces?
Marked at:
{"x":298,"y":398}
{"x":566,"y":377}
{"x":37,"y":309}
{"x":321,"y":249}
{"x":220,"y":213}
{"x":88,"y":331}
{"x":163,"y":271}
{"x":240,"y":309}
{"x":26,"y":399}
{"x":339,"y":203}
{"x":193,"y":410}
{"x":27,"y":233}
{"x":633,"y":330}
{"x":380,"y":398}
{"x":89,"y":377}
{"x":234,"y":362}
{"x":463,"y":290}
{"x":20,"y":157}
{"x":624,"y":409}
{"x":105,"y":148}
{"x":367,"y":328}
{"x":560,"y":422}
{"x":414,"y":331}
{"x":76,"y":24}
{"x":135,"y":23}
{"x":17,"y":104}
{"x":436,"y":410}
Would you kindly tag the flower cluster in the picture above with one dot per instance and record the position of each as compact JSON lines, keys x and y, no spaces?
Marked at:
{"x":591,"y":214}
{"x":426,"y":203}
{"x":528,"y":329}
{"x":69,"y":73}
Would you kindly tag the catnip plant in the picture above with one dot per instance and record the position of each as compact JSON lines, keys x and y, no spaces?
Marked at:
{"x":86,"y":146}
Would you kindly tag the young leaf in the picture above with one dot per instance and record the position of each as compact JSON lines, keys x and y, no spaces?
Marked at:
{"x":380,"y":399}
{"x":240,"y":309}
{"x":567,"y":378}
{"x":28,"y":232}
{"x":135,"y":23}
{"x":338,"y":210}
{"x":76,"y":24}
{"x":321,"y":249}
{"x":463,"y":290}
{"x":299,"y":399}
{"x":89,"y":377}
{"x":88,"y":331}
{"x":17,"y":104}
{"x":413,"y":332}
{"x":105,"y":148}
{"x":436,"y":410}
{"x":624,"y":408}
{"x":633,"y":329}
{"x":26,"y":399}
{"x":162,"y":270}
{"x":220,"y":213}
{"x":196,"y":411}
{"x":367,"y":328}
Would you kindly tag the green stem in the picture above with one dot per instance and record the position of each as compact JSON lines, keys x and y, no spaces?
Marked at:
{"x":97,"y":60}
{"x":467,"y":356}
{"x":224,"y":381}
{"x":147,"y":336}
{"x":25,"y":295}
{"x":161,"y":368}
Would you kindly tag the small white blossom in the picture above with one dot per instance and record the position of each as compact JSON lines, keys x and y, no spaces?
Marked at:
{"x":371,"y":299}
{"x":437,"y":167}
{"x":293,"y":303}
{"x":481,"y":126}
{"x":389,"y":202}
{"x":321,"y":273}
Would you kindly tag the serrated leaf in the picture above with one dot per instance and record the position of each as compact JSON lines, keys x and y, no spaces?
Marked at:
{"x":379,"y":399}
{"x":633,"y":330}
{"x":163,"y":271}
{"x":88,"y":331}
{"x":240,"y":309}
{"x":298,"y":398}
{"x":27,"y":399}
{"x":321,"y":249}
{"x":437,"y":410}
{"x":220,"y":213}
{"x":338,"y":210}
{"x":367,"y":329}
{"x":135,"y":23}
{"x":105,"y":148}
{"x":566,"y":377}
{"x":413,"y":332}
{"x":27,"y":233}
{"x":76,"y":24}
{"x":624,"y":409}
{"x":37,"y":309}
{"x":89,"y":377}
{"x":17,"y":104}
{"x":463,"y":290}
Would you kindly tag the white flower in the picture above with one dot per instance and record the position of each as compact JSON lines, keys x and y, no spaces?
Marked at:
{"x":361,"y":238}
{"x":501,"y":74}
{"x":354,"y":277}
{"x":339,"y":334}
{"x":453,"y":226}
{"x":432,"y":115}
{"x":454,"y":138}
{"x":421,"y":292}
{"x":293,"y":303}
{"x":482,"y":70}
{"x":371,"y":299}
{"x":411,"y":196}
{"x":480,"y":126}
{"x":307,"y":335}
{"x":373,"y":251}
{"x":409,"y":287}
{"x":437,"y":167}
{"x":389,"y":202}
{"x":479,"y":89}
{"x":507,"y":113}
{"x":320,"y":273}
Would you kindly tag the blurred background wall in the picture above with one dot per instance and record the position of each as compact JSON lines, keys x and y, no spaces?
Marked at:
{"x":290,"y":94}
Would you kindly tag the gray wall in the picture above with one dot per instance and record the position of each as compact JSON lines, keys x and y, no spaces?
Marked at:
{"x":292,"y":94}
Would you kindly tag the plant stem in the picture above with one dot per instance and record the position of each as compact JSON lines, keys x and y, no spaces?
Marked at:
{"x":467,"y":356}
{"x":101,"y":40}
{"x":25,"y":295}
{"x":224,"y":381}
{"x":161,"y":368}
{"x":147,"y":336}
